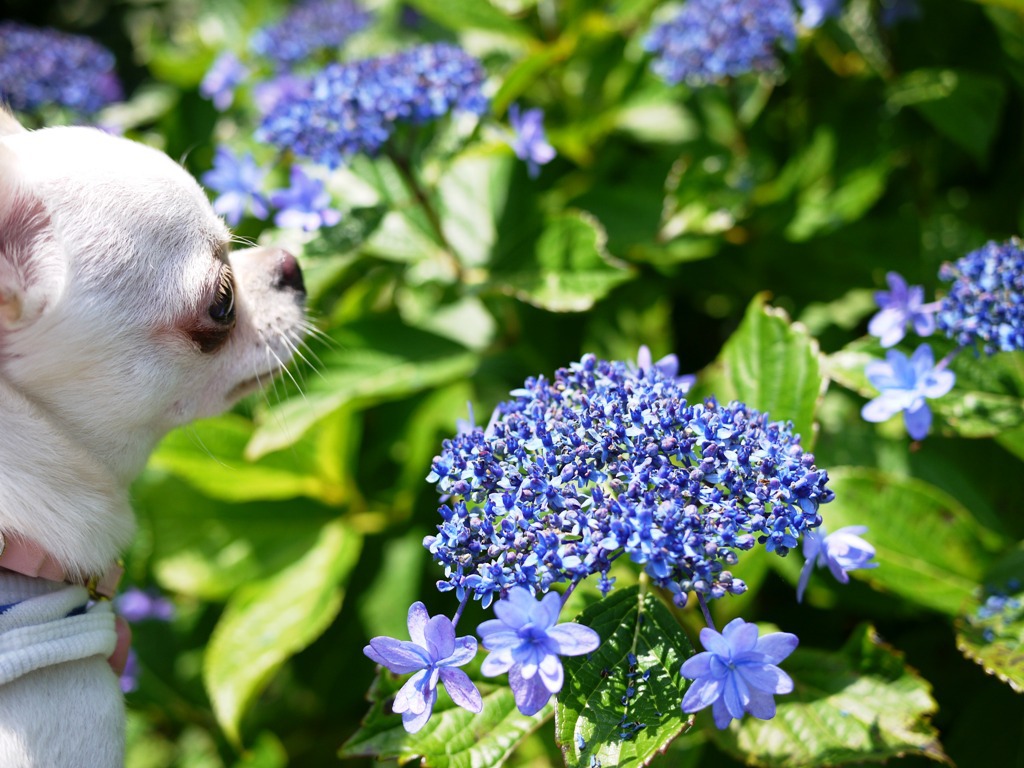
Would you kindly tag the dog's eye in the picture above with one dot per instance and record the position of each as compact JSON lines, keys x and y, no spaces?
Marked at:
{"x":222,"y":311}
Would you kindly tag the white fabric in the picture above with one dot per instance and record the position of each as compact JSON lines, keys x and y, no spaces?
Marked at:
{"x":38,"y":632}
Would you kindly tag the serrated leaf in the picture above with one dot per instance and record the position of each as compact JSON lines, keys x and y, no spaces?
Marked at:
{"x":371,"y":360}
{"x":266,"y":622}
{"x":614,"y":712}
{"x":930,"y":550}
{"x":856,"y":705}
{"x":990,"y":631}
{"x":452,"y":738}
{"x":568,"y":269}
{"x":770,"y":364}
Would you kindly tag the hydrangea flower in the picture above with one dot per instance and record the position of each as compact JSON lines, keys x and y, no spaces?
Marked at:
{"x":901,"y":305}
{"x":530,"y":144}
{"x":840,"y":551}
{"x":606,"y":460}
{"x":305,"y":204}
{"x":135,"y":604}
{"x":668,"y":366}
{"x":713,"y":39}
{"x":985,"y":305}
{"x":224,"y":76}
{"x":41,"y":67}
{"x":433,"y":654}
{"x":309,"y":28}
{"x":238,"y":182}
{"x":815,"y":12}
{"x":129,"y":677}
{"x":737,"y":673}
{"x":354,"y":108}
{"x":526,"y":642}
{"x":906,"y":385}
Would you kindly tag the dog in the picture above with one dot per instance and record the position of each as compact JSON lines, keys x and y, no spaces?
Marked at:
{"x":123,"y":314}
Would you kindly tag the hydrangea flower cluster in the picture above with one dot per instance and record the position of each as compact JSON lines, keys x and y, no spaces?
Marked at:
{"x":905,"y":385}
{"x":354,"y":108}
{"x":711,"y":40}
{"x":311,"y":27}
{"x":606,"y":460}
{"x":40,"y":67}
{"x":984,"y":308}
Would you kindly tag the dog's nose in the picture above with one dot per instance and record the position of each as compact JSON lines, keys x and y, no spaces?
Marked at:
{"x":289,"y":274}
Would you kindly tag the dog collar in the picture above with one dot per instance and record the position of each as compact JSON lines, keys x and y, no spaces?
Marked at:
{"x":29,"y":559}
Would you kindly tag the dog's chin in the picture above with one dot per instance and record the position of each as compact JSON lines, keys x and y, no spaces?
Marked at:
{"x":252,"y":385}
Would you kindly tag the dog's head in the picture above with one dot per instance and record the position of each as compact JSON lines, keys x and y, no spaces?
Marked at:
{"x":123,"y":312}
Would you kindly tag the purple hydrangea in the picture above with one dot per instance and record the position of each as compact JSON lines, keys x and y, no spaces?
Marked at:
{"x":607,"y":460}
{"x":239,"y":183}
{"x":529,"y":143}
{"x":985,"y":305}
{"x":526,"y":642}
{"x":129,"y":677}
{"x":354,"y":108}
{"x":310,"y":27}
{"x":840,"y":551}
{"x":906,"y":385}
{"x":711,"y":40}
{"x":899,"y":306}
{"x":135,"y":604}
{"x":305,"y":204}
{"x":224,"y":76}
{"x":737,"y":674}
{"x":43,"y":67}
{"x":433,"y":653}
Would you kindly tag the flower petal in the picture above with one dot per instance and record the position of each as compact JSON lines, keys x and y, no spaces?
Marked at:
{"x":703,"y":693}
{"x":462,"y":690}
{"x":574,"y":639}
{"x":918,"y":421}
{"x":412,"y":721}
{"x":465,"y":650}
{"x":551,"y":673}
{"x":417,"y":623}
{"x":776,"y":646}
{"x":496,"y":663}
{"x":399,"y":656}
{"x":516,"y":610}
{"x":440,"y":637}
{"x":530,"y":694}
{"x":741,"y":636}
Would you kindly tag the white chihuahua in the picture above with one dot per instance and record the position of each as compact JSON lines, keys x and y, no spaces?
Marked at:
{"x":122,"y":315}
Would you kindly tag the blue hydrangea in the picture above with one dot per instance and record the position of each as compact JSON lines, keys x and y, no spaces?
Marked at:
{"x":305,"y":205}
{"x":607,"y":460}
{"x":815,"y":12}
{"x":905,"y":385}
{"x":984,"y":308}
{"x":354,"y":108}
{"x":529,"y":142}
{"x":135,"y":604}
{"x":224,"y":76}
{"x":840,"y":551}
{"x":738,"y":672}
{"x":42,"y":67}
{"x":900,"y":306}
{"x":714,"y":39}
{"x":238,"y":182}
{"x":309,"y":28}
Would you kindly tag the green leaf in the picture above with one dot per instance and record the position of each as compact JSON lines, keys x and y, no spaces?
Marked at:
{"x":469,"y":14}
{"x":567,"y":270}
{"x":990,"y":631}
{"x":856,"y":705}
{"x":988,"y":398}
{"x":267,"y":622}
{"x":963,"y":106}
{"x":371,"y":360}
{"x":596,"y":718}
{"x":452,"y":738}
{"x":770,"y":364}
{"x":356,"y":225}
{"x":930,"y":550}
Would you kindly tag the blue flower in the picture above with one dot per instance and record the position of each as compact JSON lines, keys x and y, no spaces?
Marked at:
{"x":840,"y":551}
{"x":526,"y":642}
{"x":711,"y":40}
{"x":433,"y":654}
{"x":139,"y":605}
{"x":305,"y":204}
{"x":737,"y":673}
{"x":607,"y":460}
{"x":129,"y":677}
{"x":985,"y":305}
{"x":906,"y":385}
{"x":220,"y":81}
{"x":238,"y":180}
{"x":311,"y":27}
{"x":42,"y":67}
{"x":530,"y":143}
{"x":668,"y":366}
{"x":900,"y":305}
{"x":815,"y":12}
{"x":354,"y":108}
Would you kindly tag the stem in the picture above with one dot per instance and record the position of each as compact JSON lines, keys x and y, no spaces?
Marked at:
{"x":404,"y":168}
{"x":706,"y":612}
{"x":568,"y":591}
{"x":461,"y":608}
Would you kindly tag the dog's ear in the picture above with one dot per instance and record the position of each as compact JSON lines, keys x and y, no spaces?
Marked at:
{"x":32,"y":270}
{"x":9,"y":125}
